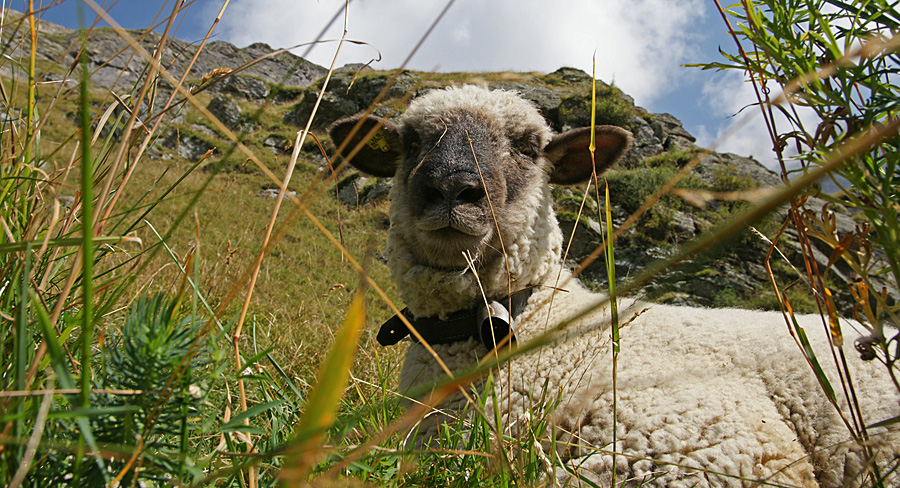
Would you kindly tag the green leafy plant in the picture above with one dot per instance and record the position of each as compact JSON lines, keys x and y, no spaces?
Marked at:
{"x":826,"y":76}
{"x":148,"y":389}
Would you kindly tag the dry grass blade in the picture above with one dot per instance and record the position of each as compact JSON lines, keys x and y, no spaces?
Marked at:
{"x":702,"y":198}
{"x":35,"y":438}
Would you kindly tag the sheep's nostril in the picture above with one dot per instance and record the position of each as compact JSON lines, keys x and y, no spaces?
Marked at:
{"x":471,"y":195}
{"x":453,"y":191}
{"x":431,"y":194}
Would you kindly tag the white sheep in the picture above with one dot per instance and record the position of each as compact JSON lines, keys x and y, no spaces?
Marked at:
{"x":704,"y":397}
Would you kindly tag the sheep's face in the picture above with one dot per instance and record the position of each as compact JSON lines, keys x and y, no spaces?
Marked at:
{"x":462,"y":159}
{"x":461,"y":174}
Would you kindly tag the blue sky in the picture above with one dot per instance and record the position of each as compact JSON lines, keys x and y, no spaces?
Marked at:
{"x":640,"y":45}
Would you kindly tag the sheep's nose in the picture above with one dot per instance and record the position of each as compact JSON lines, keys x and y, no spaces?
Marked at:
{"x":453,"y":190}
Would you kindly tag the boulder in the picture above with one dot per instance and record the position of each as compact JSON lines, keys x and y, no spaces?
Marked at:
{"x":278,"y":144}
{"x":242,"y":86}
{"x":185,"y":144}
{"x":332,"y":108}
{"x":226,"y":110}
{"x":366,"y":88}
{"x":546,"y":100}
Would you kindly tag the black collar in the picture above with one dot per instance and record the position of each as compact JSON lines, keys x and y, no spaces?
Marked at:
{"x":460,"y":325}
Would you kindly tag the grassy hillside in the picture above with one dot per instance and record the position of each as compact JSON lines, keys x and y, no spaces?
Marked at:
{"x":131,"y":236}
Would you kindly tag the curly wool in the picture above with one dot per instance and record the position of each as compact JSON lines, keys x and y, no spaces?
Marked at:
{"x":705,"y":397}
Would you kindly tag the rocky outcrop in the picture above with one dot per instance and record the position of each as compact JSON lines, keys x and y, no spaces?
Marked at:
{"x":243,"y":86}
{"x":226,"y":110}
{"x":113,"y":64}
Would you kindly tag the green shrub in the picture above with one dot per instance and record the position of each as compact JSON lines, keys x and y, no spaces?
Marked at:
{"x":813,"y":51}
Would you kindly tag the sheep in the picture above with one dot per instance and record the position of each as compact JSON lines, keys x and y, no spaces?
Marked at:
{"x":704,"y":397}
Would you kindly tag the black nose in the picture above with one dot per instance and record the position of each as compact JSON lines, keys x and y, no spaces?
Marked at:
{"x":455,"y":190}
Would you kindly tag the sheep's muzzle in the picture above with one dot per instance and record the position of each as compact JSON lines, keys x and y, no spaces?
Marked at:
{"x":455,"y":191}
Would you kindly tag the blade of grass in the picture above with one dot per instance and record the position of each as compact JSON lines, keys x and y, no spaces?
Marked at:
{"x":324,"y":400}
{"x":29,"y":110}
{"x":237,"y":422}
{"x":58,"y":360}
{"x":610,"y":270}
{"x":20,"y":353}
{"x":87,"y":229}
{"x":63,"y":242}
{"x":34,"y":440}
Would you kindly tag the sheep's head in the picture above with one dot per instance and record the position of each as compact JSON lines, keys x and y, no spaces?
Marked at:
{"x":464,"y":160}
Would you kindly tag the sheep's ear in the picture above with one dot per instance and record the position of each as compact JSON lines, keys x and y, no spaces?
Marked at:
{"x":379,"y":154}
{"x":569,"y":152}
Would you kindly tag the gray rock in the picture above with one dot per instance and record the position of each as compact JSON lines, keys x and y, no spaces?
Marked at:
{"x":588,"y":236}
{"x":277,"y":144}
{"x":683,"y":225}
{"x":378,"y":192}
{"x":114,"y":64}
{"x":628,"y":99}
{"x":350,"y":189}
{"x":10,"y":115}
{"x":187,"y":146}
{"x":546,"y":100}
{"x":679,"y":143}
{"x":202,"y":129}
{"x":646,"y":142}
{"x":356,"y":190}
{"x":714,"y":166}
{"x":243,"y":86}
{"x":66,"y":200}
{"x":353,"y":68}
{"x":665,"y":125}
{"x":226,"y":110}
{"x":330,"y":109}
{"x":284,"y":68}
{"x":273,"y":193}
{"x":366,"y":88}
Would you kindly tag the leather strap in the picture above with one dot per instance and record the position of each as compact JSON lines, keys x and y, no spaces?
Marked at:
{"x":459,"y":326}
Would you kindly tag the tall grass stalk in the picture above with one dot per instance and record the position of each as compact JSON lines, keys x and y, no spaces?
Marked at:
{"x":610,"y":271}
{"x":87,"y":224}
{"x":29,"y":113}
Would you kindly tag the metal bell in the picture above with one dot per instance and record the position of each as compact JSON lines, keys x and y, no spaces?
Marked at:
{"x":495,"y":324}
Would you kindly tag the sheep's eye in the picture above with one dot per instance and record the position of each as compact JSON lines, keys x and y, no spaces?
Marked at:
{"x":527,"y":146}
{"x":527,"y":149}
{"x":411,"y":142}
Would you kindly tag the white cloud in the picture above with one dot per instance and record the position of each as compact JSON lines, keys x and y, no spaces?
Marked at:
{"x":639,"y":43}
{"x":732,"y":99}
